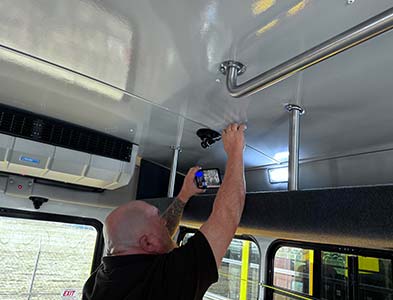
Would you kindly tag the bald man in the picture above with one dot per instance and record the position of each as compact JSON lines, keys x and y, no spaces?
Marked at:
{"x":143,"y":261}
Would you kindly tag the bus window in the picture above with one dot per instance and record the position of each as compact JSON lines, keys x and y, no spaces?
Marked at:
{"x":375,"y":278}
{"x":43,"y":259}
{"x":292,"y":267}
{"x":334,"y":283}
{"x":302,"y":271}
{"x":239,"y":272}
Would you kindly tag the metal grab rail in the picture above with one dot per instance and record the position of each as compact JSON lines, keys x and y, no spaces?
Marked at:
{"x":344,"y":41}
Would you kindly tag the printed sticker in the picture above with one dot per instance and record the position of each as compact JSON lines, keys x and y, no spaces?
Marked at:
{"x":29,"y":159}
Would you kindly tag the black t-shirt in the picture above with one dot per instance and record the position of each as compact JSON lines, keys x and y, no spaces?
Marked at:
{"x":185,"y":273}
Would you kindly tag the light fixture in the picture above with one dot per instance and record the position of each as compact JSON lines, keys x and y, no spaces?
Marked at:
{"x":281,"y":156}
{"x":278,"y":175}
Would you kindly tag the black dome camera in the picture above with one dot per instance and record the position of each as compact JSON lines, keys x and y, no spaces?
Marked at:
{"x":208,"y":137}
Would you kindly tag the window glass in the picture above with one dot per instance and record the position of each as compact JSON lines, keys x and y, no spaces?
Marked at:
{"x":293,"y":269}
{"x":375,"y":278}
{"x":239,"y":272}
{"x":340,"y":276}
{"x":334,"y":283}
{"x":42,"y":259}
{"x":278,"y":296}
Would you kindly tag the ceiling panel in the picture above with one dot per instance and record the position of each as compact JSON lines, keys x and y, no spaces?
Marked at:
{"x":166,"y":55}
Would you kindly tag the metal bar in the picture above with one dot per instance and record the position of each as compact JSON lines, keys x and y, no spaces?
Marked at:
{"x":34,"y":271}
{"x":293,"y":146}
{"x":337,"y":44}
{"x":172,"y":178}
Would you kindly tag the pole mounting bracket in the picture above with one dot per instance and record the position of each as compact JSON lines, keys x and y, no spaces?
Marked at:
{"x":224,"y":66}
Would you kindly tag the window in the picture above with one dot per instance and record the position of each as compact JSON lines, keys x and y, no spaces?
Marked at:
{"x":326,"y":272}
{"x":292,"y":269}
{"x":239,"y":272}
{"x":43,"y":258}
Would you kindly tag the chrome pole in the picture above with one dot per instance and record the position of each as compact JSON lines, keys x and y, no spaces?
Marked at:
{"x":293,"y":146}
{"x":337,"y":44}
{"x":172,"y":178}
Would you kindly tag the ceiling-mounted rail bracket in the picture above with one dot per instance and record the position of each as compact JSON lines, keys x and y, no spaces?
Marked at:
{"x":240,"y":68}
{"x":291,"y":107}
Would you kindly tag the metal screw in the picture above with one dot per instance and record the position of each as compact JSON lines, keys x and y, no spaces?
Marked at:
{"x":11,"y":181}
{"x":30,"y":183}
{"x":349,"y":2}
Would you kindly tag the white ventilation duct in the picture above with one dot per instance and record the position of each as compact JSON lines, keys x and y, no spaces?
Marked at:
{"x":30,"y":158}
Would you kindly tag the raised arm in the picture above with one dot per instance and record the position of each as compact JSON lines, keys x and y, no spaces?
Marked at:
{"x":174,"y":212}
{"x":221,"y":226}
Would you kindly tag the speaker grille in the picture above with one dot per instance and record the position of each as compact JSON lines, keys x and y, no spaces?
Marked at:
{"x":24,"y":124}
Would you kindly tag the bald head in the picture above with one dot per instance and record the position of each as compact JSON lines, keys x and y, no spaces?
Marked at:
{"x":136,"y":227}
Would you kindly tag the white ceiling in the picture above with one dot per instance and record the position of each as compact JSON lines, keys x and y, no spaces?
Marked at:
{"x":166,"y":55}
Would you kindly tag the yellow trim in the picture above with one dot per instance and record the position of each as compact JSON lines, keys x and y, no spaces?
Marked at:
{"x":244,"y":270}
{"x":285,"y":292}
{"x":310,"y":273}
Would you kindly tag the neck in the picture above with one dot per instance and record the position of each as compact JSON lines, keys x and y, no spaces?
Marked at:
{"x":129,"y":251}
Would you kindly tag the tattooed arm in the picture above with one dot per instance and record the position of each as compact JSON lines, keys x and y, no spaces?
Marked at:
{"x":174,"y":212}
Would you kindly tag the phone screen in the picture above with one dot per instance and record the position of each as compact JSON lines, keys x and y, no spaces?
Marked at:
{"x":208,"y":178}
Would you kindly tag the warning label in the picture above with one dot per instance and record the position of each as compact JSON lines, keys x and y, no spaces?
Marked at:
{"x":69,"y":294}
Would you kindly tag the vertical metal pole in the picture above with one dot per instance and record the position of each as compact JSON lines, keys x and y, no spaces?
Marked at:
{"x":34,"y":271}
{"x":172,"y":178}
{"x":294,"y":137}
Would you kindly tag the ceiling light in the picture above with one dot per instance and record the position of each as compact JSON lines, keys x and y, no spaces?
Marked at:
{"x":282,"y":156}
{"x":279,"y":175}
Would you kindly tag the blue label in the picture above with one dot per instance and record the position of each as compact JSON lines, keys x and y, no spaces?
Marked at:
{"x":30,"y":160}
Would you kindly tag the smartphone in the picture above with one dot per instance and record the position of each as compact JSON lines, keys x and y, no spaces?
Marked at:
{"x":208,"y":179}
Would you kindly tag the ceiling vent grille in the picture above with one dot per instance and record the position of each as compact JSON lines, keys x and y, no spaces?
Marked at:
{"x":24,"y":124}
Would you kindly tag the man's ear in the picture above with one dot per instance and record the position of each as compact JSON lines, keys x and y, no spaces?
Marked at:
{"x":148,"y":243}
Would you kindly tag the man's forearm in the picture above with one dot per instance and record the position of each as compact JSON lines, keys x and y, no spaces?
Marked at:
{"x":173,"y":215}
{"x":231,"y":196}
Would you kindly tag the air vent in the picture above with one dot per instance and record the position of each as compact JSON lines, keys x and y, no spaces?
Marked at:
{"x":27,"y":125}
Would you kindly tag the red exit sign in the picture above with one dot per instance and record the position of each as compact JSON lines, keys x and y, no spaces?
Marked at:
{"x":69,"y":293}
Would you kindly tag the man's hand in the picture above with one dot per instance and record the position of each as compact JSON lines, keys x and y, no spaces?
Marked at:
{"x":233,"y":139}
{"x":174,"y":212}
{"x":189,"y":187}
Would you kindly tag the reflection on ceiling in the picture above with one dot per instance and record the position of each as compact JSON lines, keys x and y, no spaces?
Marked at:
{"x":55,"y":72}
{"x":84,"y":36}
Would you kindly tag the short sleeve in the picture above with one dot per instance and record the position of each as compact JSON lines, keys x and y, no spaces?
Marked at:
{"x":188,"y":270}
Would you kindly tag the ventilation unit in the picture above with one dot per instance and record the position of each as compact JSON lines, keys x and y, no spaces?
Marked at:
{"x":39,"y":146}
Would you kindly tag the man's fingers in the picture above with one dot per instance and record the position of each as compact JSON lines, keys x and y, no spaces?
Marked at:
{"x":234,"y":126}
{"x":193,"y":170}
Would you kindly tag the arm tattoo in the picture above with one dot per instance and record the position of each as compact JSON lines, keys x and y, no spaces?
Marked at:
{"x":172,"y":215}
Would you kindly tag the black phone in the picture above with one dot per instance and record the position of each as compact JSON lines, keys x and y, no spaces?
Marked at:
{"x":208,"y":179}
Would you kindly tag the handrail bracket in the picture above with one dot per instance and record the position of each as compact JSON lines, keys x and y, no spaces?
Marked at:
{"x":241,"y":68}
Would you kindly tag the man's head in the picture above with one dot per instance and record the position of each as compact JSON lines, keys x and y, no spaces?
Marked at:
{"x":137,"y":228}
